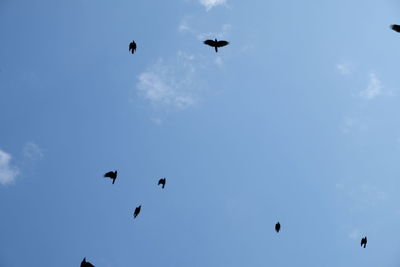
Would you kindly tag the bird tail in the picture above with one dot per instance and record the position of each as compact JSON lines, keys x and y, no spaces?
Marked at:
{"x":113,"y":181}
{"x":216,"y":49}
{"x":163,"y":185}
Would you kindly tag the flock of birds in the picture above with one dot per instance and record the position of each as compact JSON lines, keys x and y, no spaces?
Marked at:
{"x":113,"y":174}
{"x":213,"y":43}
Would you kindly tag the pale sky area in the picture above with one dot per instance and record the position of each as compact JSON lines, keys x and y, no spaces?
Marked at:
{"x":295,"y":121}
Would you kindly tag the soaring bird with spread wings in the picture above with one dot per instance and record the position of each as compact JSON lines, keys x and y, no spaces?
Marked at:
{"x":132,"y":47}
{"x":112,"y":175}
{"x":216,"y":43}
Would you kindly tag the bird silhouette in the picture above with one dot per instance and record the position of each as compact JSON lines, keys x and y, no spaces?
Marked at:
{"x":85,"y":263}
{"x":137,"y":211}
{"x":395,"y":27}
{"x":132,"y":47}
{"x":277,"y":227}
{"x":364,"y":241}
{"x":162,"y":182}
{"x":216,"y":44}
{"x":112,"y":175}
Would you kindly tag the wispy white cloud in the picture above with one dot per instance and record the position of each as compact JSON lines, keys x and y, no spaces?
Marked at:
{"x":170,"y":84}
{"x":188,"y":25}
{"x":184,"y":25}
{"x":224,"y":33}
{"x":374,"y":88}
{"x":345,"y":68}
{"x":32,"y":151}
{"x":208,"y":4}
{"x":362,"y":196}
{"x":8,"y":173}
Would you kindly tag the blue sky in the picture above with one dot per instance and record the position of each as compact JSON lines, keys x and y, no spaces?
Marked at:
{"x":295,"y":121}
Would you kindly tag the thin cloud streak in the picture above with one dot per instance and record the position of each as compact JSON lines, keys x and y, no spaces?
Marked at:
{"x":32,"y":151}
{"x":169,"y":84}
{"x":344,"y":68}
{"x":8,"y":173}
{"x":374,"y":88}
{"x":208,"y":4}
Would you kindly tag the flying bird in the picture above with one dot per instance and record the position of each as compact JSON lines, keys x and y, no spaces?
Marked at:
{"x":162,"y":182}
{"x":277,"y":227}
{"x":112,"y":175}
{"x":395,"y":27}
{"x":132,"y":46}
{"x":364,"y":241}
{"x":137,"y":211}
{"x":216,"y":43}
{"x":85,"y":263}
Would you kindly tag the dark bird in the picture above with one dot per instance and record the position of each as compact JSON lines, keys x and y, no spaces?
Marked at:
{"x":112,"y":175}
{"x":395,"y":27}
{"x":364,"y":241}
{"x":137,"y":211}
{"x":277,"y":227}
{"x":162,"y":181}
{"x":132,"y":46}
{"x":216,"y":43}
{"x":85,"y":263}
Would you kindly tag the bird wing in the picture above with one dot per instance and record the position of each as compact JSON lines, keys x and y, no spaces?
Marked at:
{"x":210,"y":42}
{"x":395,"y":27}
{"x":159,"y":181}
{"x":222,"y":43}
{"x":108,"y":174}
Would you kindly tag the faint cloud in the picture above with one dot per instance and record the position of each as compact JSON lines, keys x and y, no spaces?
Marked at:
{"x":347,"y":125}
{"x":224,"y":33}
{"x":353,"y":124}
{"x":344,"y":68}
{"x":169,"y":84}
{"x":363,"y":196}
{"x":184,"y":25}
{"x":208,"y":4}
{"x":189,"y":24}
{"x":32,"y":151}
{"x":374,"y":88}
{"x":8,"y":173}
{"x":157,"y":121}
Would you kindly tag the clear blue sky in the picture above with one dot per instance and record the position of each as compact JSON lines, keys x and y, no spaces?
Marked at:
{"x":295,"y":121}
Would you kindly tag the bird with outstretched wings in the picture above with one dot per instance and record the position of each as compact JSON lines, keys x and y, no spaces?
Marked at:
{"x":112,"y":175}
{"x":132,"y":47}
{"x":215,"y":43}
